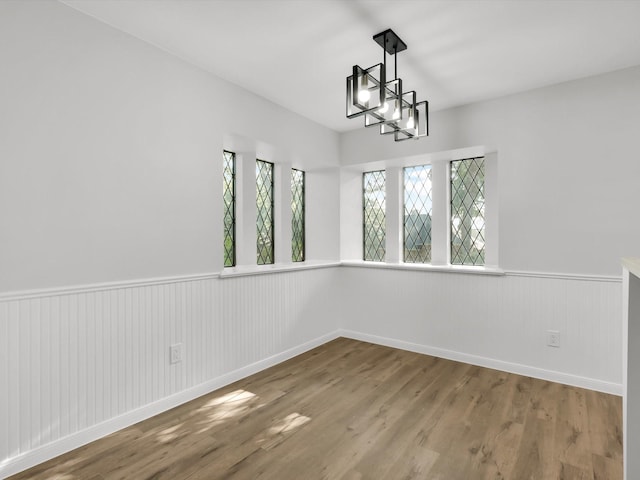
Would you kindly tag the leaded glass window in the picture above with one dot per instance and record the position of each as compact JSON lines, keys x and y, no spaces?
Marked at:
{"x":374,"y":198}
{"x":264,"y":210}
{"x":467,"y":212}
{"x":297,"y":215}
{"x":417,"y":214}
{"x":229,"y":208}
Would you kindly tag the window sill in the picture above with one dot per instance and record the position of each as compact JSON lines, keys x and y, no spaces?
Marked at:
{"x":246,"y":270}
{"x":425,"y":267}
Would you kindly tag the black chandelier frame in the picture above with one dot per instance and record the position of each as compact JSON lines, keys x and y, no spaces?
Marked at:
{"x":382,"y":102}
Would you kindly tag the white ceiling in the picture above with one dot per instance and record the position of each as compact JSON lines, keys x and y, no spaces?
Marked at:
{"x":297,"y":53}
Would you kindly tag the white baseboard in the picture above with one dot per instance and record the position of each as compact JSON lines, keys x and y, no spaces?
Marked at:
{"x":51,"y":450}
{"x":550,"y":375}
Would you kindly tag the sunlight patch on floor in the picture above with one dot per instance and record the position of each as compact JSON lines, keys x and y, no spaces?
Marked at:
{"x":235,"y":397}
{"x":225,"y":407}
{"x":281,"y":430}
{"x":169,"y":434}
{"x":289,"y":423}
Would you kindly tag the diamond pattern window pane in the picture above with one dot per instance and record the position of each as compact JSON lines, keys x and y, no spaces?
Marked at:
{"x":467,"y":212}
{"x":417,"y":214}
{"x":229,"y":208}
{"x":297,"y":215}
{"x":264,"y":210}
{"x":374,"y":216}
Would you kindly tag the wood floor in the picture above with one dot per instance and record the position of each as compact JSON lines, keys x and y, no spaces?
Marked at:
{"x":352,"y":410}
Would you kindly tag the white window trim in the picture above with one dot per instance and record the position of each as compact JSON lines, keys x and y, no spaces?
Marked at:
{"x":441,"y":196}
{"x":247,"y":270}
{"x":425,"y":267}
{"x":247,"y":151}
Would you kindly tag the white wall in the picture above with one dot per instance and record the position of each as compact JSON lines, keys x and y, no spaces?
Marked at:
{"x":567,"y":169}
{"x":110,"y":170}
{"x":111,"y":154}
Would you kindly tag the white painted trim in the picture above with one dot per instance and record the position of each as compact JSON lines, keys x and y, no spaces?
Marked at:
{"x":625,"y":366}
{"x":420,"y":267}
{"x":564,"y":276}
{"x":99,"y":287}
{"x":519,"y":369}
{"x":147,"y":282}
{"x":424,"y":267}
{"x":421,"y":159}
{"x":241,"y":271}
{"x":51,"y":450}
{"x":246,"y":270}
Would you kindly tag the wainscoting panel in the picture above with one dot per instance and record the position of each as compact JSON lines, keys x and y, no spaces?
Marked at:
{"x":496,"y":321}
{"x":78,"y":363}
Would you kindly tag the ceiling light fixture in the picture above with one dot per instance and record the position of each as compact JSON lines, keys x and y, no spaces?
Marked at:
{"x":382,"y":102}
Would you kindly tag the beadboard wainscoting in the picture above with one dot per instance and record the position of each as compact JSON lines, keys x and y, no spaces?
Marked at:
{"x":496,"y":321}
{"x":79,"y":363}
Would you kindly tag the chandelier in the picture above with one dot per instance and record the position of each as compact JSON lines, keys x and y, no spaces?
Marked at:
{"x":383,"y":103}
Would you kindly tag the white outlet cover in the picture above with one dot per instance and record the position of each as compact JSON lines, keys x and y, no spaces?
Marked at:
{"x":553,"y":338}
{"x":175,"y":353}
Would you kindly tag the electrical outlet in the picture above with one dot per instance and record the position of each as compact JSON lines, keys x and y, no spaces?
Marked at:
{"x":553,"y":338}
{"x":175,"y":353}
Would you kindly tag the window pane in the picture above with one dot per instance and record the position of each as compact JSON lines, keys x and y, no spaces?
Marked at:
{"x":297,"y":215}
{"x":264,"y":210}
{"x":467,"y":212}
{"x":229,"y":209}
{"x":374,"y":216}
{"x":417,"y":214}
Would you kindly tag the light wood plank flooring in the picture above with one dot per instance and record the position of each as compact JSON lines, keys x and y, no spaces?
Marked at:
{"x":352,"y":410}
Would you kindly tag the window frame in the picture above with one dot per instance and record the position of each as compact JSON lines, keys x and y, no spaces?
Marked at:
{"x":233,"y":210}
{"x":364,"y":216}
{"x":351,"y":236}
{"x":450,"y":212}
{"x":272,"y":215}
{"x":403,"y":214}
{"x":303,"y":214}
